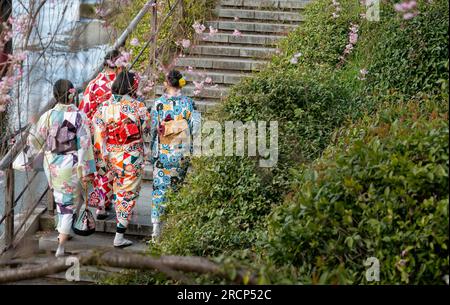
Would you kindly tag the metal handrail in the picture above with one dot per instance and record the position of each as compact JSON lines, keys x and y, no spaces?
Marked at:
{"x":18,"y":197}
{"x":153,"y":36}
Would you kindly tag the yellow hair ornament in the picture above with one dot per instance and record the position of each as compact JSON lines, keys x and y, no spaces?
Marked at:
{"x":182,"y":82}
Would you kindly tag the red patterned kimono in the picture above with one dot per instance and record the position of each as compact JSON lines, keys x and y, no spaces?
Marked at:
{"x":120,"y":126}
{"x":97,"y":92}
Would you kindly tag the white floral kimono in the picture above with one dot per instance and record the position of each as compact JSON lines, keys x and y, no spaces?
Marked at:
{"x":64,"y":171}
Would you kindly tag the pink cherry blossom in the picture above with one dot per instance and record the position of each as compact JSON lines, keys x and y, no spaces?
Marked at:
{"x":353,"y":38}
{"x":198,"y":85}
{"x":212,"y":31}
{"x":208,"y":80}
{"x":362,"y":74}
{"x":198,"y":27}
{"x":101,"y":12}
{"x":407,"y":8}
{"x":237,"y":33}
{"x":294,"y":60}
{"x":186,"y":43}
{"x":134,"y":42}
{"x":295,"y":57}
{"x":408,"y":16}
{"x":337,"y":8}
{"x":123,"y":60}
{"x":20,"y":24}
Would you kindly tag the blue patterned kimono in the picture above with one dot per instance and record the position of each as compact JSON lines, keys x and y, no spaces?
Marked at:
{"x":170,"y":162}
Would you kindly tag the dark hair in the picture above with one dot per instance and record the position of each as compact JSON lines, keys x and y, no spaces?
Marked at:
{"x":61,"y":91}
{"x":173,"y":78}
{"x":111,"y":56}
{"x":124,"y":83}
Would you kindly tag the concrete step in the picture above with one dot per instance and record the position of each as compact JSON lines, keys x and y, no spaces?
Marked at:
{"x":233,"y":51}
{"x":48,"y":242}
{"x":148,"y":172}
{"x":246,"y":26}
{"x":207,"y":106}
{"x":270,"y":4}
{"x":140,"y":222}
{"x":140,"y":225}
{"x":244,"y":38}
{"x":218,"y":77}
{"x":222,"y":63}
{"x":207,"y":93}
{"x":249,"y":14}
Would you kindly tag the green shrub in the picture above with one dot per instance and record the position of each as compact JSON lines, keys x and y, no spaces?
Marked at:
{"x":408,"y":56}
{"x":321,"y":39}
{"x":309,"y":100}
{"x":225,"y":200}
{"x":381,"y":191}
{"x":205,"y":218}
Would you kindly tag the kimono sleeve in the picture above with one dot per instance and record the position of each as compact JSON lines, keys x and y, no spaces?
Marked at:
{"x":86,"y":161}
{"x":196,"y":121}
{"x":38,"y":134}
{"x":145,"y":119}
{"x":86,"y":101}
{"x":192,"y":117}
{"x":154,"y":130}
{"x":100,"y":151}
{"x":145,"y":122}
{"x":189,"y":114}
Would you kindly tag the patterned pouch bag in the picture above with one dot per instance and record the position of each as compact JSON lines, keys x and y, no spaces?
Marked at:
{"x":84,"y":224}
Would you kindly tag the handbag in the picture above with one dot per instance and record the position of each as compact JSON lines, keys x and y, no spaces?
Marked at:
{"x":84,"y":223}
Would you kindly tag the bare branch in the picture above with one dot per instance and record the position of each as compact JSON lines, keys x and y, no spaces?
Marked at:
{"x":165,"y":264}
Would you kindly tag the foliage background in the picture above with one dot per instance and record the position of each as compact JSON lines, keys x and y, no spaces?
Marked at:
{"x":178,"y":26}
{"x":363,"y":167}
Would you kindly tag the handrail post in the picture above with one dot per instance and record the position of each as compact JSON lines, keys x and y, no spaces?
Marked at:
{"x":154,"y":37}
{"x":182,"y":10}
{"x":9,"y":207}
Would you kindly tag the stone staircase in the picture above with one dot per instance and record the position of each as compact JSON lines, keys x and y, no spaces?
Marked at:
{"x":42,"y":244}
{"x":226,"y":57}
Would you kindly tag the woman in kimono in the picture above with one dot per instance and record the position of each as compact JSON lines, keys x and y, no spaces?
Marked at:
{"x":97,"y":92}
{"x":119,"y":129}
{"x":64,"y":134}
{"x":170,"y":135}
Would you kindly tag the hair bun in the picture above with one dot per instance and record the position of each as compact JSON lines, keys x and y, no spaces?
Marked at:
{"x":174,"y":78}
